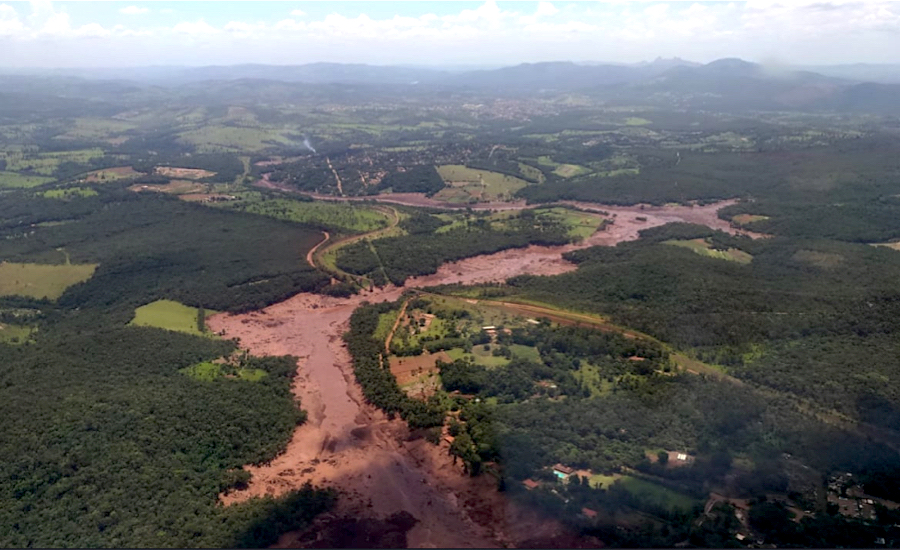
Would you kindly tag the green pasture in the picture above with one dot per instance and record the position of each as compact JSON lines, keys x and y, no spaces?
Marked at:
{"x":345,"y":218}
{"x":208,"y":371}
{"x":69,"y":193}
{"x":703,"y":248}
{"x":233,"y":138}
{"x":46,"y":164}
{"x":169,"y":315}
{"x":657,"y":494}
{"x":482,"y":184}
{"x":15,"y":334}
{"x":580,"y":224}
{"x":12,"y":179}
{"x":41,"y":280}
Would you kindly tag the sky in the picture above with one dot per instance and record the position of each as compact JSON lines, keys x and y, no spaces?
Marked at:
{"x":129,"y":34}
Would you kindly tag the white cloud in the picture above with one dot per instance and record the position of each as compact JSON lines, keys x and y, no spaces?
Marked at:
{"x":491,"y":32}
{"x":199,"y":27}
{"x":134,"y":10}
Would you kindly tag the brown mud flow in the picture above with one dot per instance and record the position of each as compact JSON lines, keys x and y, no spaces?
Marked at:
{"x":382,"y":471}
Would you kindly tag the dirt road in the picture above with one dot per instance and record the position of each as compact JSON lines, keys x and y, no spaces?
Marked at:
{"x":349,"y":445}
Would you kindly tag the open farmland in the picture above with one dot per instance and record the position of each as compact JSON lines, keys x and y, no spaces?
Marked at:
{"x":41,"y":280}
{"x":169,"y":315}
{"x":479,"y":184}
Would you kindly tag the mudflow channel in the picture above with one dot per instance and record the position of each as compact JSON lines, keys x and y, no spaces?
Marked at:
{"x":349,"y":445}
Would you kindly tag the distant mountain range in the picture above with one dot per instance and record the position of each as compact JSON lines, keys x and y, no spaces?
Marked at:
{"x":731,"y":84}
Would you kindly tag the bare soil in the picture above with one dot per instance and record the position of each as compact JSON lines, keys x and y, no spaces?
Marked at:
{"x":378,"y":466}
{"x":186,"y":173}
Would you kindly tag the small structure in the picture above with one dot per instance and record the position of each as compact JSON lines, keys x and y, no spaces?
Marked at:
{"x":562,"y":472}
{"x":589,"y":513}
{"x":682,"y":457}
{"x":449,"y":439}
{"x":531,"y":484}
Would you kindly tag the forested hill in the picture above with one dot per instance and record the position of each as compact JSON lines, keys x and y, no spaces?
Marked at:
{"x":111,"y":437}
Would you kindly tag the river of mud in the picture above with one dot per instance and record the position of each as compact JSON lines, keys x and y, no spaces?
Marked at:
{"x":349,"y":445}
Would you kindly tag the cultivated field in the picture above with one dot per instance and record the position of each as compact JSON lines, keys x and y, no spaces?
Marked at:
{"x":41,"y":280}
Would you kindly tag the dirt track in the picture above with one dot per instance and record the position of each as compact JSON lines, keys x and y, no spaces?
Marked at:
{"x":349,"y":445}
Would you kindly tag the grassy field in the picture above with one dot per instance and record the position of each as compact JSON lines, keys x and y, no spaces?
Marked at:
{"x":14,"y":334}
{"x":531,"y":172}
{"x":344,"y":218}
{"x":111,"y":174}
{"x":97,"y":128}
{"x":637,"y":121}
{"x":571,"y":170}
{"x":589,"y":375}
{"x":480,"y":184}
{"x":169,"y":315}
{"x":41,"y":280}
{"x":12,"y":179}
{"x":231,"y":138}
{"x":580,"y":224}
{"x":529,"y":353}
{"x":703,"y":248}
{"x":657,"y":494}
{"x":46,"y":164}
{"x":744,"y":219}
{"x":69,"y":193}
{"x":601,"y":481}
{"x":209,"y":371}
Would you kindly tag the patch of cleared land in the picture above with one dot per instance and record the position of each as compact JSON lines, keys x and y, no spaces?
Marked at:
{"x":824,"y":260}
{"x":111,"y":174}
{"x":703,"y":248}
{"x":478,"y":184}
{"x":343,"y":217}
{"x":184,"y":173}
{"x":46,"y":164}
{"x":174,"y":187}
{"x":744,"y":219}
{"x":234,"y":138}
{"x":169,"y":315}
{"x":637,"y":121}
{"x":892,"y":246}
{"x":657,"y":494}
{"x":69,"y":193}
{"x":41,"y":280}
{"x":580,"y":224}
{"x":208,"y":371}
{"x":14,"y":334}
{"x":12,"y":179}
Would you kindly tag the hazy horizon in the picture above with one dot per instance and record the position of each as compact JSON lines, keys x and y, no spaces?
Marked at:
{"x":84,"y":35}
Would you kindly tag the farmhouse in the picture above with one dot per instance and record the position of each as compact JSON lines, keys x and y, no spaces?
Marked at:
{"x":531,"y":484}
{"x":562,"y":472}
